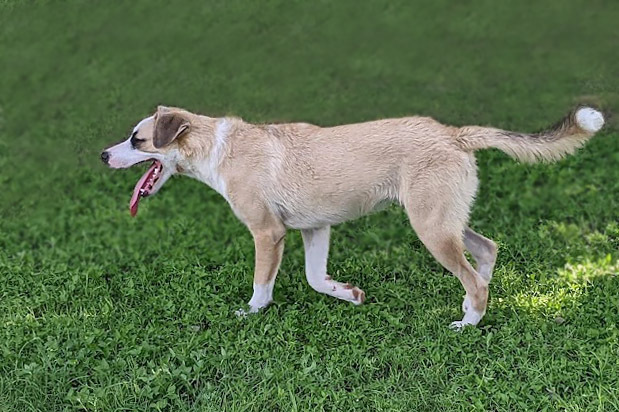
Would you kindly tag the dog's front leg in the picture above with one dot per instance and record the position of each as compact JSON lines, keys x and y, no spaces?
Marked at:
{"x":269,"y":243}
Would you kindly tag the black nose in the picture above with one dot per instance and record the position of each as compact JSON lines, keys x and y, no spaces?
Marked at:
{"x":105,"y":157}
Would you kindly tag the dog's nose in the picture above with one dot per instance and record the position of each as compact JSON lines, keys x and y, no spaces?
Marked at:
{"x":105,"y":157}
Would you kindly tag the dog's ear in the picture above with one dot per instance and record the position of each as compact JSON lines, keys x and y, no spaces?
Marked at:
{"x":168,"y":127}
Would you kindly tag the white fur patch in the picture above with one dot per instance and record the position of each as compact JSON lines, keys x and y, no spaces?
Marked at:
{"x":220,"y":140}
{"x":471,"y":316}
{"x":263,"y":295}
{"x":589,"y":119}
{"x":124,"y":155}
{"x":316,"y":242}
{"x":316,"y":254}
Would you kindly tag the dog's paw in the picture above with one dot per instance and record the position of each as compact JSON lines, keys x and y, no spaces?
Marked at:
{"x":349,"y":292}
{"x":241,"y":313}
{"x":358,"y":296}
{"x":471,"y":316}
{"x":459,"y":325}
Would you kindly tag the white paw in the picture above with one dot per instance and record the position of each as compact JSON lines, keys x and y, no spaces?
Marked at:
{"x":459,"y":325}
{"x":344,"y":291}
{"x":471,"y":316}
{"x":243,"y":313}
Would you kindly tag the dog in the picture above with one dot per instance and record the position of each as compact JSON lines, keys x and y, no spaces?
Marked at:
{"x":302,"y":176}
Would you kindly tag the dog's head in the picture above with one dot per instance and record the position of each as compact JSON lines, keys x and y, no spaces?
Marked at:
{"x":154,"y":139}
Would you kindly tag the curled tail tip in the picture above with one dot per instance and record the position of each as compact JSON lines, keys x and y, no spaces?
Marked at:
{"x":589,"y":119}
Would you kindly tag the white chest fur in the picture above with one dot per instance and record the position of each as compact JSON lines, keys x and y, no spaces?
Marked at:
{"x":208,"y":170}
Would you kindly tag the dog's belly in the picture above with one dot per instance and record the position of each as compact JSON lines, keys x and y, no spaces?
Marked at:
{"x":314,"y":213}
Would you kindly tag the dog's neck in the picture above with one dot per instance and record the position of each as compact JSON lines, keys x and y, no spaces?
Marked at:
{"x":201,"y":158}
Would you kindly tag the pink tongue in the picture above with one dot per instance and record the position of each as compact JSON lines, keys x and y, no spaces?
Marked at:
{"x":135,"y":198}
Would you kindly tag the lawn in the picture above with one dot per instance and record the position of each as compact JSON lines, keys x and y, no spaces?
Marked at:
{"x":104,"y":312}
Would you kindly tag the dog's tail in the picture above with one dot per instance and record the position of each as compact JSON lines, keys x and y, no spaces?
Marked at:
{"x":560,"y":140}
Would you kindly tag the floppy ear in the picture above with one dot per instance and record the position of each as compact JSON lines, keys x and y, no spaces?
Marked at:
{"x":168,"y":126}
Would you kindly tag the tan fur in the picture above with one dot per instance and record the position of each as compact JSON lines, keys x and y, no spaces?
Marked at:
{"x":307,"y":177}
{"x":550,"y":145}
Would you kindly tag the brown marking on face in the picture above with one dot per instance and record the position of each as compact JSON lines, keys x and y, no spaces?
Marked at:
{"x":139,"y":144}
{"x":142,"y":139}
{"x":168,"y":123}
{"x":347,"y":286}
{"x":328,"y":277}
{"x":180,"y":169}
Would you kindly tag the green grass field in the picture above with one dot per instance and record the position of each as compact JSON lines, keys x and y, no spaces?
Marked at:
{"x":102,"y":312}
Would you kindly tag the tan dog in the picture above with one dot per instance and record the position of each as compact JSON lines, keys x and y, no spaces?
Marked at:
{"x":307,"y":177}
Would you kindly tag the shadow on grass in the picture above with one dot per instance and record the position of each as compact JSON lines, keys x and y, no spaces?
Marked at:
{"x":572,"y":275}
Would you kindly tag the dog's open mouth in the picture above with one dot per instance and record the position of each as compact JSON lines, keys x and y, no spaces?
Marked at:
{"x":145,"y":185}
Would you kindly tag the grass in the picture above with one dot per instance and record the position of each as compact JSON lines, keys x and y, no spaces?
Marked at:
{"x":102,"y":312}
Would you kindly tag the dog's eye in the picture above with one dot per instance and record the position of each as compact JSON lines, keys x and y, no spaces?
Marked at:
{"x":135,"y":140}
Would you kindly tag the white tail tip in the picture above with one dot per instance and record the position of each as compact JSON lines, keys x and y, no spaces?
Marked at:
{"x":589,"y":119}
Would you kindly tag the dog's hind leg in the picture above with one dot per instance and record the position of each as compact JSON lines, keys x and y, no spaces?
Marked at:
{"x":483,"y":250}
{"x":316,"y":242}
{"x":448,"y":249}
{"x":437,"y":204}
